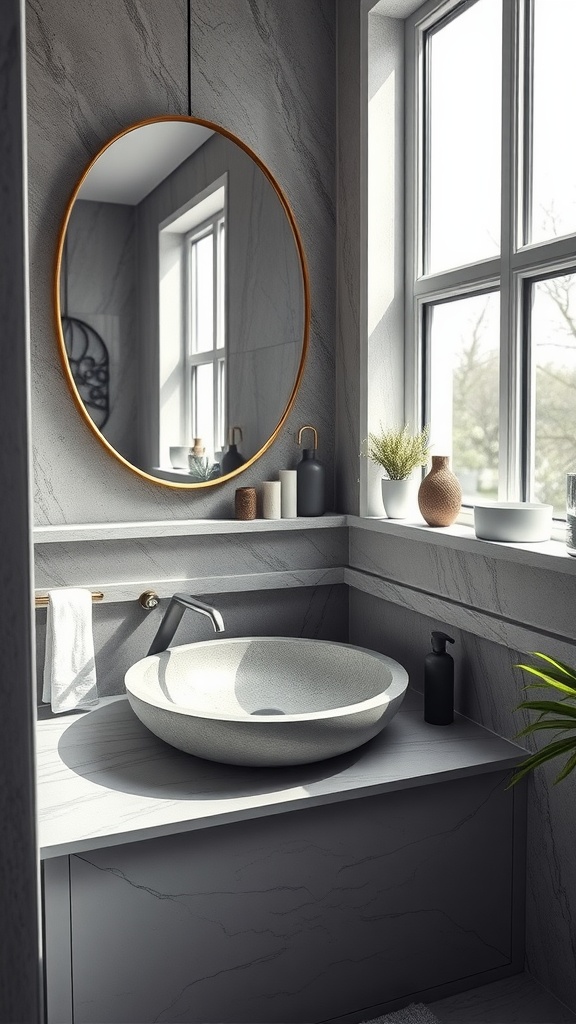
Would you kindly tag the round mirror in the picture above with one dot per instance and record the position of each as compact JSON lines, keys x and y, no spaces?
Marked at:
{"x":182,"y":301}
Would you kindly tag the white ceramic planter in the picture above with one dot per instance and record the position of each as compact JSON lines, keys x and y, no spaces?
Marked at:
{"x":398,"y":497}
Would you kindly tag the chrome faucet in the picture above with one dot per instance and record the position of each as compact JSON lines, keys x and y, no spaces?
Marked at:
{"x":174,"y":613}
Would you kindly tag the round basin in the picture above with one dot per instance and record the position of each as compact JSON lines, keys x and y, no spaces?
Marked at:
{"x":266,"y":700}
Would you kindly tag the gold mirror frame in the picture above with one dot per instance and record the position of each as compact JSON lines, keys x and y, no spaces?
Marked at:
{"x":58,"y":312}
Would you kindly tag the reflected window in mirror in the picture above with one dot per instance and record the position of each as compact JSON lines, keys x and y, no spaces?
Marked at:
{"x":206,"y":334}
{"x":192,"y":306}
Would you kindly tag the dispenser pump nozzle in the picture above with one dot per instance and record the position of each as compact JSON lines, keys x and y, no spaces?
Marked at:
{"x":439,"y":641}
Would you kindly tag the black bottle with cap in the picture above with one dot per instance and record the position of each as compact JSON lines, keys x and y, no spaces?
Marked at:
{"x":439,"y":682}
{"x":310,"y":480}
{"x":232,"y":459}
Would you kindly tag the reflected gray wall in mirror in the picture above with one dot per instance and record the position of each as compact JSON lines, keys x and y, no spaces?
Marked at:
{"x":132,"y":271}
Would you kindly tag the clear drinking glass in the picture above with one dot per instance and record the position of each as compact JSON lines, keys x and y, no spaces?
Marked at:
{"x":571,"y":513}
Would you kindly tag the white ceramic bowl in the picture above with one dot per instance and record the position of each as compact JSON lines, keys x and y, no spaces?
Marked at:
{"x":513,"y":521}
{"x":179,"y":456}
{"x":266,"y":700}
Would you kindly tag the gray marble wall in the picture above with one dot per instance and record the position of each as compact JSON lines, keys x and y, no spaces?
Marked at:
{"x":263,"y":68}
{"x":19,"y":953}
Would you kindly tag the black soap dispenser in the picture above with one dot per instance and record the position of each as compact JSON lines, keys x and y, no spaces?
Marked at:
{"x":439,"y":682}
{"x":310,"y":480}
{"x":232,"y":459}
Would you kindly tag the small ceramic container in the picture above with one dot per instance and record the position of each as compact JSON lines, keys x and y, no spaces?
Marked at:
{"x":179,"y":456}
{"x":513,"y":521}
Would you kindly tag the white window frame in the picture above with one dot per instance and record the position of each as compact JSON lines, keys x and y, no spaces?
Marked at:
{"x":517,"y":266}
{"x":216,"y":355}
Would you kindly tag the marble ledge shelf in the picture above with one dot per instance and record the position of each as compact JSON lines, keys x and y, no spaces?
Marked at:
{"x":180,"y":528}
{"x":551,"y":555}
{"x":104,"y":780}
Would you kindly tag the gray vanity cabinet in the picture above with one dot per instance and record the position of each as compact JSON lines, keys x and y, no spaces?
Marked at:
{"x":309,"y":915}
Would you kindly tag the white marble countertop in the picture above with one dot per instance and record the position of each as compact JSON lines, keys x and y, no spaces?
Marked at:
{"x":104,"y":780}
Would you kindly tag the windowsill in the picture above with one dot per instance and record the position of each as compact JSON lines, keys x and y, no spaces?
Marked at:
{"x":550,"y":555}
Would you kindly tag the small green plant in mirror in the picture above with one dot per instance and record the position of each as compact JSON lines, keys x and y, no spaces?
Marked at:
{"x":397,"y":451}
{"x":202,"y":469}
{"x":559,"y":714}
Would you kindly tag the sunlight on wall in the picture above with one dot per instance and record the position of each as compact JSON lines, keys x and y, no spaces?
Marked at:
{"x":385,"y":249}
{"x":381,"y":193}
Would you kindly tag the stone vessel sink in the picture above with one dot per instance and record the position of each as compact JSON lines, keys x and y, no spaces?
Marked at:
{"x":266,"y":701}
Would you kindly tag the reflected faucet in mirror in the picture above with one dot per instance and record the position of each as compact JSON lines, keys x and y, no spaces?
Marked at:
{"x":172,"y":616}
{"x":180,"y":250}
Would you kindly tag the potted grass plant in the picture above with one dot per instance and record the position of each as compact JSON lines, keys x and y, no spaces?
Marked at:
{"x":557,"y":713}
{"x":399,"y":453}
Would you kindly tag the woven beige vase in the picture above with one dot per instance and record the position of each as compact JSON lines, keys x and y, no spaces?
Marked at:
{"x":440,"y":494}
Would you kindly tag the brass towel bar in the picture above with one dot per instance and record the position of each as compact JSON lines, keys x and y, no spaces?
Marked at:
{"x":42,"y":601}
{"x":148,"y":600}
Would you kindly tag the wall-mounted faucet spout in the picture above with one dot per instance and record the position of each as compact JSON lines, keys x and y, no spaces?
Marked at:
{"x":172,"y":616}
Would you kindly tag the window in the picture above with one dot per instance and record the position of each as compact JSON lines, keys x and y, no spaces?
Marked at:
{"x":192,"y":352}
{"x":205,"y":333}
{"x":491,"y":242}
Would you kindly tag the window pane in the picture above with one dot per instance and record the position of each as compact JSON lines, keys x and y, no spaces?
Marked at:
{"x":465,"y":81}
{"x":463,"y":359}
{"x":203,"y":404}
{"x":202,"y":268}
{"x":553,"y":142}
{"x":553,"y":334}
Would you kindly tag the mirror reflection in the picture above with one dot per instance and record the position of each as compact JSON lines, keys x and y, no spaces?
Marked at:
{"x":182,"y":301}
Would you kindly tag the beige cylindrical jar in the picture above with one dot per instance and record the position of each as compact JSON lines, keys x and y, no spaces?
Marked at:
{"x":271,"y":502}
{"x":288,"y":504}
{"x":440,"y":494}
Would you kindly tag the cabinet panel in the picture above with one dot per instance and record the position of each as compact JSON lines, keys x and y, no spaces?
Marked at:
{"x":299,"y":917}
{"x":57,"y":940}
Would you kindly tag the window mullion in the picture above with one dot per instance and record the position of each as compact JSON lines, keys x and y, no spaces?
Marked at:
{"x":414,"y":40}
{"x":215,"y":311}
{"x":187,"y":267}
{"x":511,"y":399}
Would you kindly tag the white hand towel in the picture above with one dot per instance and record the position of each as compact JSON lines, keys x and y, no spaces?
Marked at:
{"x":69,"y":667}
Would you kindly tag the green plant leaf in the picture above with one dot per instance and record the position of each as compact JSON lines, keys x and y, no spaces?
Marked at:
{"x":562,"y":724}
{"x":555,"y":707}
{"x":397,"y":451}
{"x":568,"y":767}
{"x":560,"y":665}
{"x":540,"y":757}
{"x":547,"y":680}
